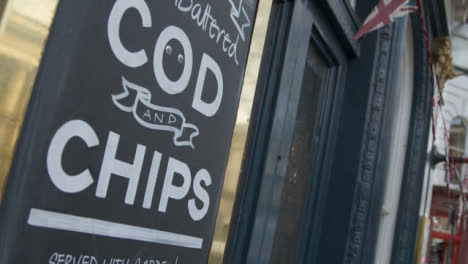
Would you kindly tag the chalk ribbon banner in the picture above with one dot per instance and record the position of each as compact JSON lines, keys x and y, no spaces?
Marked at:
{"x":137,"y":100}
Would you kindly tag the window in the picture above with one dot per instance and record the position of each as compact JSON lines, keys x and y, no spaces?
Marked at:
{"x":300,"y":158}
{"x":457,"y":145}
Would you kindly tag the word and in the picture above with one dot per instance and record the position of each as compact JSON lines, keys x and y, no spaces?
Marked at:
{"x":140,"y":58}
{"x":112,"y":167}
{"x":137,"y":100}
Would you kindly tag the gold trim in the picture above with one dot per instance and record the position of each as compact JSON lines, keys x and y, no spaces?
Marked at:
{"x":239,"y":137}
{"x":24,"y":28}
{"x":419,"y":250}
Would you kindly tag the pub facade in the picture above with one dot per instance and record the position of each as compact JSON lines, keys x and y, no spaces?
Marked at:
{"x":203,"y":131}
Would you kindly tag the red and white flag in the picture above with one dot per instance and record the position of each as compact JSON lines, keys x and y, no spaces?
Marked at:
{"x":384,"y":13}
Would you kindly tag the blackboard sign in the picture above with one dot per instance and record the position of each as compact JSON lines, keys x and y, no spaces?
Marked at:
{"x":124,"y":148}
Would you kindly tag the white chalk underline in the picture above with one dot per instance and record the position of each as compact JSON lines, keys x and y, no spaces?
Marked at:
{"x":66,"y":222}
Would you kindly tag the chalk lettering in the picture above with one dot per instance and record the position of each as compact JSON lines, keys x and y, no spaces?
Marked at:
{"x":113,"y":167}
{"x":209,"y":24}
{"x":63,"y":258}
{"x":130,"y":59}
{"x":61,"y":179}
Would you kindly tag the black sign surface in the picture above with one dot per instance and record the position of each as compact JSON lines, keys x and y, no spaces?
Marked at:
{"x":125,"y":144}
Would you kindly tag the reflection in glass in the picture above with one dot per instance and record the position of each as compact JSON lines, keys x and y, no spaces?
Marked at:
{"x":457,"y":145}
{"x":353,"y":3}
{"x":300,"y":159}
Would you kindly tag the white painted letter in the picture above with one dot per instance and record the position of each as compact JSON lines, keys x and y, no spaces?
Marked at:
{"x":169,"y":33}
{"x":111,"y":165}
{"x":63,"y":181}
{"x":153,"y":176}
{"x":169,"y":190}
{"x":208,"y":109}
{"x":53,"y":258}
{"x":198,"y":214}
{"x":130,"y":59}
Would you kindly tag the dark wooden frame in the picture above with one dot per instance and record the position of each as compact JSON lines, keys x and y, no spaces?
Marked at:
{"x":416,"y":155}
{"x":374,"y":156}
{"x":270,"y":99}
{"x":348,"y":193}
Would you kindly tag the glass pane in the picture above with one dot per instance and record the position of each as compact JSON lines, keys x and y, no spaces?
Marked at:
{"x":300,"y":159}
{"x":457,"y":145}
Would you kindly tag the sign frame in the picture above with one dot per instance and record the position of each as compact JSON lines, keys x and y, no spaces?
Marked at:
{"x":236,"y":152}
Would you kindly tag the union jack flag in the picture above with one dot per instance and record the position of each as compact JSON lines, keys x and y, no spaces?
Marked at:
{"x":384,"y":13}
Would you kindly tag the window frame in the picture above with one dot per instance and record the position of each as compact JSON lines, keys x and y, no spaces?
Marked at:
{"x":281,"y":75}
